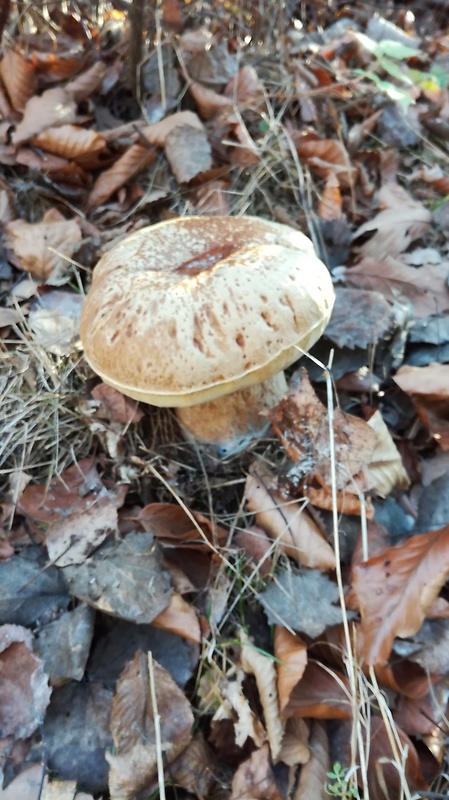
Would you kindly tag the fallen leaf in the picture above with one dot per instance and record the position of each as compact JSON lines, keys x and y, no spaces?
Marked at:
{"x":392,"y":230}
{"x":288,"y":524}
{"x":254,"y":778}
{"x":382,"y":769}
{"x":31,"y":592}
{"x":347,"y":501}
{"x":312,"y":780}
{"x":262,"y":667}
{"x":425,"y":288}
{"x":54,"y":320}
{"x":72,"y":539}
{"x":225,"y":694}
{"x":330,"y":205}
{"x":64,"y":645}
{"x":304,"y":602}
{"x":10,"y":316}
{"x":257,"y":546}
{"x":116,"y":406}
{"x":134,"y":762}
{"x":291,"y":654}
{"x":295,"y":744}
{"x":188,"y":152}
{"x":87,"y":82}
{"x":301,"y":422}
{"x":359,"y":318}
{"x":321,"y":693}
{"x":24,"y":690}
{"x":55,"y":106}
{"x":31,"y":242}
{"x":174,"y":528}
{"x":208,"y":102}
{"x":194,"y":769}
{"x":327,"y":157}
{"x":133,"y":161}
{"x":179,"y":617}
{"x":428,"y":388}
{"x":123,"y":578}
{"x":395,"y":589}
{"x":70,"y":141}
{"x":19,"y":78}
{"x":26,"y":786}
{"x":385,"y":467}
{"x":211,"y":199}
{"x":157,"y":133}
{"x":246,"y":89}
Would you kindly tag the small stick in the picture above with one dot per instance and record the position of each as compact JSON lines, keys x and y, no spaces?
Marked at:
{"x":157,"y":728}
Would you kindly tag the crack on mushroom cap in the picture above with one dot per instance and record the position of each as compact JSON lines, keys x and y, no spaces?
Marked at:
{"x":171,"y":338}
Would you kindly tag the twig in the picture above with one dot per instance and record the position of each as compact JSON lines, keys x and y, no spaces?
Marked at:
{"x":157,"y":728}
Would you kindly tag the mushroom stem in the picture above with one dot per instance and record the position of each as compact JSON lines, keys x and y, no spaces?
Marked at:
{"x":229,"y":423}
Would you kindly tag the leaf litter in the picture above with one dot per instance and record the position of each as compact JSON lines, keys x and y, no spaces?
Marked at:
{"x":117,"y":538}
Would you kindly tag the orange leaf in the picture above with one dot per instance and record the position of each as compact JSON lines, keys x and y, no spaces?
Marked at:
{"x":179,"y":617}
{"x":330,"y":202}
{"x":70,"y":141}
{"x":321,"y":693}
{"x":291,"y":652}
{"x":429,"y":390}
{"x":327,"y":157}
{"x":18,"y":76}
{"x":133,"y":161}
{"x":396,"y":588}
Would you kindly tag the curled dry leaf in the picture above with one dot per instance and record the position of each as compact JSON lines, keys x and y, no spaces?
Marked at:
{"x":327,"y":157}
{"x":173,"y":527}
{"x":288,"y":524}
{"x":312,"y":780}
{"x":70,"y":141}
{"x":262,"y":667}
{"x":24,"y":690}
{"x":321,"y":693}
{"x":330,"y":203}
{"x":385,"y":467}
{"x":179,"y":617}
{"x":291,"y":653}
{"x":31,"y":242}
{"x":392,"y":230}
{"x":133,"y":161}
{"x":157,"y":133}
{"x":233,"y":706}
{"x":295,"y":749}
{"x":302,"y":424}
{"x":254,"y":778}
{"x":19,"y":78}
{"x":347,"y":500}
{"x":395,"y":589}
{"x":133,"y":765}
{"x":429,"y":389}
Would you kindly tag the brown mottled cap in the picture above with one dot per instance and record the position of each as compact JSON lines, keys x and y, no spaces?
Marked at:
{"x":189,"y":310}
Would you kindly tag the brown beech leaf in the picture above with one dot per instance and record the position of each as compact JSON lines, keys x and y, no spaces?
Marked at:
{"x":173,"y":527}
{"x":254,"y":778}
{"x":24,"y":690}
{"x":133,"y":765}
{"x":55,"y":106}
{"x":262,"y":667}
{"x":327,"y":157}
{"x":188,"y":152}
{"x":429,"y":389}
{"x":70,"y":141}
{"x":30,"y":244}
{"x":245,"y":88}
{"x":157,"y":133}
{"x":435,"y":177}
{"x":291,"y":653}
{"x":193,"y":770}
{"x":425,"y":288}
{"x":117,"y":407}
{"x":19,"y":78}
{"x":347,"y":501}
{"x":72,"y":539}
{"x":208,"y":102}
{"x":295,"y":748}
{"x":179,"y":617}
{"x":395,"y":589}
{"x":312,"y":780}
{"x":381,"y":772}
{"x":401,"y":221}
{"x":301,"y":422}
{"x":257,"y":546}
{"x":321,"y":694}
{"x":87,"y":82}
{"x":133,"y":161}
{"x":330,"y":203}
{"x":385,"y":467}
{"x":289,"y":524}
{"x":211,"y":199}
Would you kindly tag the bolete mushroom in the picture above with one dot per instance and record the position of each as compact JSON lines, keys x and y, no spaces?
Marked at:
{"x":203,"y":314}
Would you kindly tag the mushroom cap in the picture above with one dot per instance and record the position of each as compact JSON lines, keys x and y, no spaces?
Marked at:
{"x":188,"y":310}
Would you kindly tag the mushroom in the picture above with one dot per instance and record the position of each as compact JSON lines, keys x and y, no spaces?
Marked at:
{"x":203,"y":314}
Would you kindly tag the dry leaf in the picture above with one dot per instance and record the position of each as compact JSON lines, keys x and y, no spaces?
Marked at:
{"x":19,"y":78}
{"x":295,"y":748}
{"x":116,"y":406}
{"x":386,"y":466}
{"x":425,"y":288}
{"x":262,"y":667}
{"x":330,"y":205}
{"x":233,"y":706}
{"x":54,"y":321}
{"x":208,"y":102}
{"x":347,"y":500}
{"x":179,"y":617}
{"x":291,"y":653}
{"x":133,"y":765}
{"x":321,"y":693}
{"x":246,"y":89}
{"x":70,"y":141}
{"x":211,"y":199}
{"x":301,"y":422}
{"x":173,"y":527}
{"x":31,"y":243}
{"x":429,"y":390}
{"x":133,"y":161}
{"x":392,"y":230}
{"x":327,"y":157}
{"x":288,"y":524}
{"x":382,"y":772}
{"x":55,"y":106}
{"x":188,"y":152}
{"x":395,"y":589}
{"x":87,"y":82}
{"x":257,"y":546}
{"x":72,"y":539}
{"x":359,"y":318}
{"x":24,"y":690}
{"x":312,"y":780}
{"x":254,"y":778}
{"x":157,"y":134}
{"x":193,"y":770}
